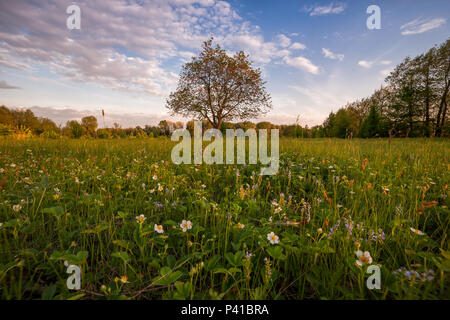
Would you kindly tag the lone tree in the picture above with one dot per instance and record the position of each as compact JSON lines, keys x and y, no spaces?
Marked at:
{"x":218,"y":88}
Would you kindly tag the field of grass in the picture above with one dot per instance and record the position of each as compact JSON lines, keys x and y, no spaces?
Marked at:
{"x":81,"y":201}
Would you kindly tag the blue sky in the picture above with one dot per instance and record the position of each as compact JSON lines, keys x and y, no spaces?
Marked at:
{"x":315,"y":55}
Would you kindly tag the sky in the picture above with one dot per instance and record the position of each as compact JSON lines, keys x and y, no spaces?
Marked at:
{"x":315,"y":56}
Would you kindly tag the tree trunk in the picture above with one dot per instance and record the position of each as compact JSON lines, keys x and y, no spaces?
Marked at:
{"x":440,"y":118}
{"x":427,"y":105}
{"x":443,"y":105}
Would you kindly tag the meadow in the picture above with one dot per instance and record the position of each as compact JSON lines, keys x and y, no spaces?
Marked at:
{"x":141,"y":227}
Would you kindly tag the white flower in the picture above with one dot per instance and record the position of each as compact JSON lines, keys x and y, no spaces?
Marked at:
{"x":273,"y":238}
{"x":140,"y":218}
{"x":241,"y":225}
{"x":155,"y":177}
{"x":363,"y":258}
{"x":159,"y":228}
{"x":420,"y":233}
{"x":1,"y":223}
{"x":185,"y":225}
{"x":17,"y":207}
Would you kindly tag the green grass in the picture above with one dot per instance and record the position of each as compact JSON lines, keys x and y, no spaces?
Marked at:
{"x":79,"y":201}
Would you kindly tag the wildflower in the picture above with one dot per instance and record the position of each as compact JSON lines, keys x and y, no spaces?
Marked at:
{"x":155,"y":177}
{"x":17,"y":207}
{"x":160,"y":187}
{"x":248,"y":255}
{"x":76,"y":180}
{"x":124,"y":279}
{"x":159,"y":228}
{"x":56,"y":196}
{"x":427,"y":275}
{"x":416,"y":231}
{"x":1,"y":223}
{"x":143,"y":186}
{"x":319,"y":231}
{"x":277,"y":210}
{"x":363,"y":258}
{"x":185,"y":225}
{"x":273,"y":238}
{"x":140,"y":218}
{"x":240,"y":225}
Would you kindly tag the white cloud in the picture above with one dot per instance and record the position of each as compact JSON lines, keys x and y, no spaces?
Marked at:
{"x":302,"y":63}
{"x":62,"y":115}
{"x":332,"y":8}
{"x":328,"y":54}
{"x":6,"y":85}
{"x":368,"y":64}
{"x":418,"y":26}
{"x":385,"y":72}
{"x":124,"y":45}
{"x":283,"y":40}
{"x":365,"y":64}
{"x":316,"y":99}
{"x":297,"y":46}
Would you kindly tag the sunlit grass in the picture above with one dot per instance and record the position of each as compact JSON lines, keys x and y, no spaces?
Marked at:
{"x":80,"y":201}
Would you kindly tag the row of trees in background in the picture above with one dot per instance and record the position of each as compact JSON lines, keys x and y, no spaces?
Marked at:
{"x":24,"y":122}
{"x":413,"y":103}
{"x":341,"y":124}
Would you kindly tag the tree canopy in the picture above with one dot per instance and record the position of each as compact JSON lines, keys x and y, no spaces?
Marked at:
{"x":216,"y":87}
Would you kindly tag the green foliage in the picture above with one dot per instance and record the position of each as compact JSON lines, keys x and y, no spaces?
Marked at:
{"x":5,"y":130}
{"x":89,"y":124}
{"x":74,"y":129}
{"x":77,"y":201}
{"x":371,"y":125}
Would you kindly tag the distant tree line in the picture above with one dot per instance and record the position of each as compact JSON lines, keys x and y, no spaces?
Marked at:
{"x":413,"y":103}
{"x":26,"y":123}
